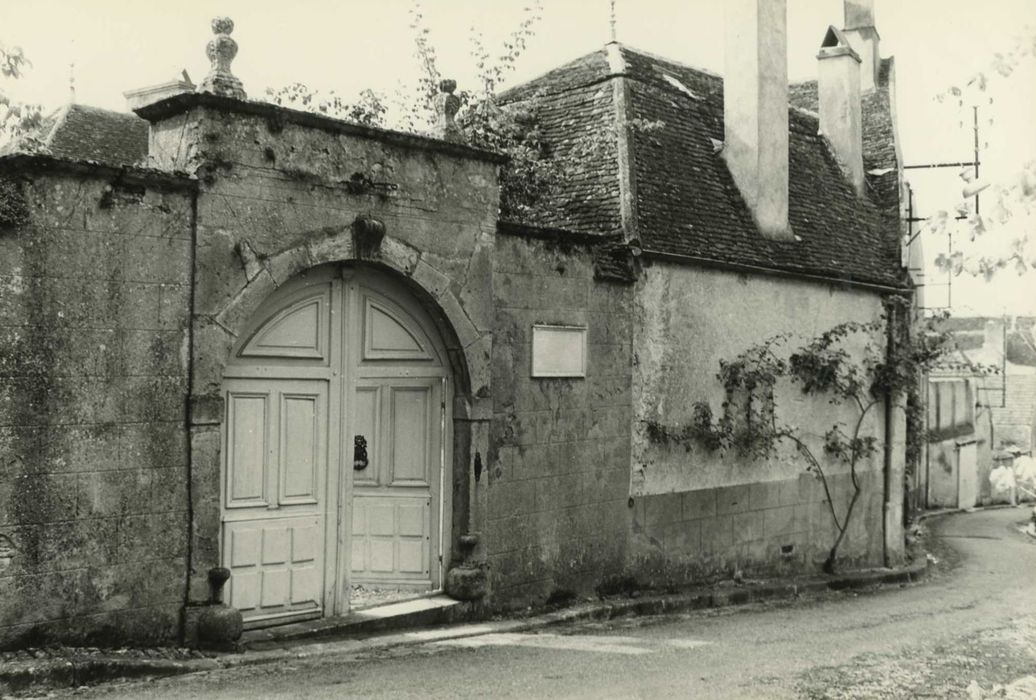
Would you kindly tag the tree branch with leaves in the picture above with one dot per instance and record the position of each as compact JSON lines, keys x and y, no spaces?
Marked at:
{"x":16,"y":118}
{"x":998,"y":235}
{"x":512,"y":129}
{"x":829,"y":366}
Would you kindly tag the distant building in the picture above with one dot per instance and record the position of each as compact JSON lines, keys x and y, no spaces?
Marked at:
{"x":981,"y":409}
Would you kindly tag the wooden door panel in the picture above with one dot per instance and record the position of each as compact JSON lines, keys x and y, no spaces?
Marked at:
{"x":395,"y":506}
{"x":413,"y":536}
{"x":410,"y":419}
{"x":367,"y":418}
{"x":247,"y":448}
{"x":300,"y":448}
{"x":297,"y":332}
{"x":391,"y":538}
{"x":389,"y":334}
{"x":273,"y":530}
{"x":275,"y":567}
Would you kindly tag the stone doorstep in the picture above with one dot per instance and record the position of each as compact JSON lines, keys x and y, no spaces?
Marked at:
{"x":420,"y":612}
{"x":368,"y":629}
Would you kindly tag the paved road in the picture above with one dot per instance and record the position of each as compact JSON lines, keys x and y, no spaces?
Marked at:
{"x":973,"y":621}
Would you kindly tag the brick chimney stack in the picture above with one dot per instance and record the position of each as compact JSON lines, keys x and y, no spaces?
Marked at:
{"x":755,"y":109}
{"x":841,"y":114}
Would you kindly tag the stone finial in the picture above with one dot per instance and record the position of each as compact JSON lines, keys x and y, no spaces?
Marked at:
{"x":446,"y":106}
{"x":218,"y":576}
{"x":221,"y":50}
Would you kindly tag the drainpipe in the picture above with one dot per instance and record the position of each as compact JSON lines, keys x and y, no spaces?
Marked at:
{"x":926,"y":389}
{"x":192,"y":257}
{"x":890,"y":424}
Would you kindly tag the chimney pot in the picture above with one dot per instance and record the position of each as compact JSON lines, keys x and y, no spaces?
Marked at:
{"x":863,"y":37}
{"x":858,"y":13}
{"x":141,"y":97}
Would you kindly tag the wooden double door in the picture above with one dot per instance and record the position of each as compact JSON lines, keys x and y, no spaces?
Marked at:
{"x":335,"y":441}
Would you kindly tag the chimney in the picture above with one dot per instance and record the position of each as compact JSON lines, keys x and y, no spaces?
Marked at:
{"x":841,"y":118}
{"x":863,"y":37}
{"x":755,"y":110}
{"x":135,"y":99}
{"x":993,"y":340}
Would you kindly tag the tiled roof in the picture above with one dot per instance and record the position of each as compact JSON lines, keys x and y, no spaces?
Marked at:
{"x":83,"y":133}
{"x":91,"y":133}
{"x":686,"y":201}
{"x":879,"y":145}
{"x":575,"y":111}
{"x":1017,"y":419}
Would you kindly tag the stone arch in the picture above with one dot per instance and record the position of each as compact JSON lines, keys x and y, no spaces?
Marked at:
{"x":214,"y":336}
{"x":468,"y":347}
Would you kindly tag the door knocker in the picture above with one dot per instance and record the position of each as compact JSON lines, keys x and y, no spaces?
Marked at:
{"x":360,"y":460}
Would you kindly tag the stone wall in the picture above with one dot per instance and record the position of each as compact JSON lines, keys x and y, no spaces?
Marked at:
{"x":94,"y":298}
{"x":699,"y":514}
{"x":558,"y":516}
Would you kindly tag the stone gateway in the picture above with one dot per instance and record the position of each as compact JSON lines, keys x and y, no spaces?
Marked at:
{"x":311,"y":353}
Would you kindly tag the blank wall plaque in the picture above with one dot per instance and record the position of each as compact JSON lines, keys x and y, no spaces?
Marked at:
{"x":558,"y":351}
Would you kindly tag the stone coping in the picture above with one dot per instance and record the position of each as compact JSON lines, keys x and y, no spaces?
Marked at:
{"x":521,"y":230}
{"x":22,"y":163}
{"x":184,"y":102}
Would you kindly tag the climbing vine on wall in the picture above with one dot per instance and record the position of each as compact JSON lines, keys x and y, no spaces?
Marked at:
{"x":894,"y":355}
{"x":14,"y":210}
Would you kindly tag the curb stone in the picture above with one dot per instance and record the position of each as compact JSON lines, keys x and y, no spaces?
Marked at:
{"x":74,"y":671}
{"x":925,"y":515}
{"x":40,"y":675}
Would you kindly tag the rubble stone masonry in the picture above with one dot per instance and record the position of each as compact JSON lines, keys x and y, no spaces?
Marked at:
{"x":558,"y":516}
{"x":94,"y":299}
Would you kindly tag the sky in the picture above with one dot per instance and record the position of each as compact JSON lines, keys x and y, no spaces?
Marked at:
{"x":347,"y":45}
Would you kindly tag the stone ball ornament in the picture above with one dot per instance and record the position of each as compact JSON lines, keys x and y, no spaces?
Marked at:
{"x":222,"y":25}
{"x":446,"y":107}
{"x":221,"y":50}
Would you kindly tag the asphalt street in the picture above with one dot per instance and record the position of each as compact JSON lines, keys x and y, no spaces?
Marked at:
{"x":972,"y":623}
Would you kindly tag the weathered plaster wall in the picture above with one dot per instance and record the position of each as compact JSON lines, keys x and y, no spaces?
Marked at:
{"x":93,"y":463}
{"x":698,"y":514}
{"x":279,"y":192}
{"x":984,"y":453}
{"x":558,"y":517}
{"x":952,"y":471}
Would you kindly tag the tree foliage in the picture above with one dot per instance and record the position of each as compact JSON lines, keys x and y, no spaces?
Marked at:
{"x":512,"y":129}
{"x":16,"y":118}
{"x":369,"y":108}
{"x":996,"y":236}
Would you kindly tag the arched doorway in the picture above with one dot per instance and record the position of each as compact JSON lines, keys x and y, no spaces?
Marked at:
{"x":336,"y":444}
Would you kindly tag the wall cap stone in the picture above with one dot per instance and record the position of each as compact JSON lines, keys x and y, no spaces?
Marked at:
{"x":21,"y":163}
{"x":179,"y":104}
{"x":520,"y":230}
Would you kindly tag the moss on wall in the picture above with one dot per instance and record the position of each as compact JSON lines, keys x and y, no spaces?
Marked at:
{"x":91,"y":430}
